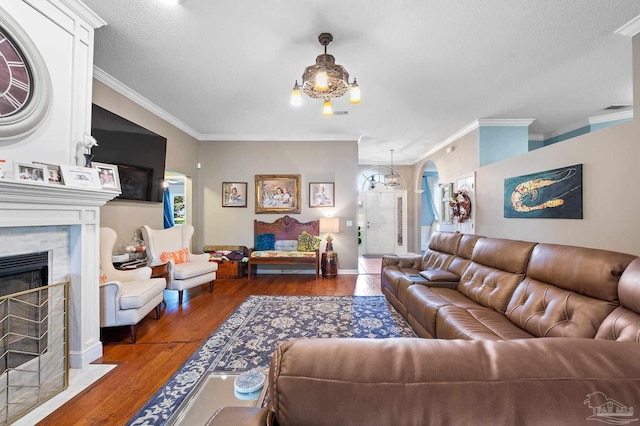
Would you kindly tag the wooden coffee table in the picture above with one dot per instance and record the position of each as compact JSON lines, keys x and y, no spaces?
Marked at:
{"x":214,"y":391}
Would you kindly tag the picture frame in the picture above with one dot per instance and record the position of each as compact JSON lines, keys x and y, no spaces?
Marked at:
{"x":321,"y":194}
{"x":82,"y":177}
{"x":108,"y":176}
{"x":32,"y":173}
{"x":234,"y":194}
{"x":277,"y":193}
{"x":54,"y":173}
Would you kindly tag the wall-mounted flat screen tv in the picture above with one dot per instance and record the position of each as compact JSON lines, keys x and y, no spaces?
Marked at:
{"x":139,"y":154}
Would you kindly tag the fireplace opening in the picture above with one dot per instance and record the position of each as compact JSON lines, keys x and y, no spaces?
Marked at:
{"x":23,"y":316}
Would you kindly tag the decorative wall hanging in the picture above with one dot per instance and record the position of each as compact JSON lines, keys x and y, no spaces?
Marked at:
{"x":460,"y":206}
{"x":277,"y":193}
{"x":553,"y":193}
{"x":321,"y":194}
{"x":234,"y":194}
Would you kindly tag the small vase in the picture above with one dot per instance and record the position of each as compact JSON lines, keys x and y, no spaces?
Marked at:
{"x":87,"y":159}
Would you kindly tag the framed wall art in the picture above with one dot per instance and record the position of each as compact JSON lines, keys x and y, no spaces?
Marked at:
{"x":321,"y":194}
{"x":80,"y":176}
{"x":277,"y":193}
{"x":234,"y":194}
{"x":108,"y":176}
{"x":553,"y":193}
{"x":30,"y":172}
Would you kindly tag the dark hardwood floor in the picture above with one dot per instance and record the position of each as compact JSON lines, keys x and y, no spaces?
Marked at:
{"x":163,"y":345}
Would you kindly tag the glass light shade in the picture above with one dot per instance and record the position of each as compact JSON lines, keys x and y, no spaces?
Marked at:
{"x":322,"y":81}
{"x":355,"y":93}
{"x":327,"y":108}
{"x":296,"y":95}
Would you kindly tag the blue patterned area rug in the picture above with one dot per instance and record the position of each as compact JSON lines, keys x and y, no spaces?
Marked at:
{"x":249,"y":336}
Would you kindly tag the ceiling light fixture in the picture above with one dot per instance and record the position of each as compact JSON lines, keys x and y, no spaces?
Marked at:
{"x":325,"y":80}
{"x":392,"y":179}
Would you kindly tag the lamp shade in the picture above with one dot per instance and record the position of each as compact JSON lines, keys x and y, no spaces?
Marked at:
{"x":330,"y":225}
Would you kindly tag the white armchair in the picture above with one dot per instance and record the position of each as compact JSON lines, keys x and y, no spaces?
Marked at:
{"x":197,"y":271}
{"x":127,"y":296}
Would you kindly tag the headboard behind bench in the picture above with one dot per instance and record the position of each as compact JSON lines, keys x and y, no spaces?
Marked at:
{"x":286,"y":228}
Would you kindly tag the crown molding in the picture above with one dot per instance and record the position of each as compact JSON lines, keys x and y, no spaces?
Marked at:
{"x":536,"y":137}
{"x":631,"y":28}
{"x":277,"y":138}
{"x":134,"y":96}
{"x":505,"y":122}
{"x":605,"y":118}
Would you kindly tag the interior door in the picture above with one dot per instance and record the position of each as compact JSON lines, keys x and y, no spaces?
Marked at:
{"x":379,"y":214}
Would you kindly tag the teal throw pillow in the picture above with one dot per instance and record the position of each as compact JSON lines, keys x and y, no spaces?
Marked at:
{"x":265,"y":242}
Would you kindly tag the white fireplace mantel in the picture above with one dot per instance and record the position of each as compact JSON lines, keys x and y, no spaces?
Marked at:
{"x":24,"y":204}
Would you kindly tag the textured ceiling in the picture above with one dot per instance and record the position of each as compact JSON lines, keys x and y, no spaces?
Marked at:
{"x":224,"y":69}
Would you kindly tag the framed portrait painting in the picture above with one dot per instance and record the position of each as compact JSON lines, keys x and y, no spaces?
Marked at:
{"x":234,"y":194}
{"x":321,"y":194}
{"x":108,"y":176}
{"x":277,"y":193}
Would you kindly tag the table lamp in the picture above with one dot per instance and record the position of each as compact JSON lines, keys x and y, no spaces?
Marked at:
{"x":330,"y":225}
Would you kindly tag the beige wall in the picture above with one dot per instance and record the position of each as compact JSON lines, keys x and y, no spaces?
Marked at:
{"x":610,"y":165}
{"x":225,"y":161}
{"x":126,"y":217}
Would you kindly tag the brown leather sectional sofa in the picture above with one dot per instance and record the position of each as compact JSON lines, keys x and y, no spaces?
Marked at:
{"x":516,"y":333}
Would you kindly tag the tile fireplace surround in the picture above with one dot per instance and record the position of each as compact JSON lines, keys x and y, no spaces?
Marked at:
{"x":64,"y":221}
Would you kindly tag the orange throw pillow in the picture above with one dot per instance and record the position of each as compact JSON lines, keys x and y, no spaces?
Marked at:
{"x":180,"y":256}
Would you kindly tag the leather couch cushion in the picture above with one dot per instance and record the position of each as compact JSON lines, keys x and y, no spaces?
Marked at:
{"x":435,"y":260}
{"x":445,"y":242}
{"x":507,"y":255}
{"x":629,"y":287}
{"x":548,"y":311}
{"x":424,"y":302}
{"x":624,"y":322}
{"x":431,"y":381}
{"x":489,"y":287}
{"x":591,"y":272}
{"x":479,"y":323}
{"x":392,"y":274}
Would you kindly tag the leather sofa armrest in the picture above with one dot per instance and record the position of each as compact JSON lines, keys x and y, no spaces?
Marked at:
{"x":406,"y":380}
{"x":401,"y":261}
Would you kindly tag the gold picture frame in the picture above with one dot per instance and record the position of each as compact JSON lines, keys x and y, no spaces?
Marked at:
{"x":277,"y":194}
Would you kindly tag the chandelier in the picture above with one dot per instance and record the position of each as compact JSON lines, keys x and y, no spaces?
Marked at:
{"x":325,"y":80}
{"x":392,"y":179}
